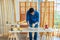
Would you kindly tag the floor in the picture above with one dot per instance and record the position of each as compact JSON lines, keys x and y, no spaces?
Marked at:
{"x":3,"y":38}
{"x":43,"y":38}
{"x":38,"y":38}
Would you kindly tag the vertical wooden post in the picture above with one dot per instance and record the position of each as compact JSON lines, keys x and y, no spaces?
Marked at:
{"x":14,"y":11}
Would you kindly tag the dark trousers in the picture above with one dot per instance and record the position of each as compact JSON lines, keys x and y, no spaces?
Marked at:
{"x":35,"y":33}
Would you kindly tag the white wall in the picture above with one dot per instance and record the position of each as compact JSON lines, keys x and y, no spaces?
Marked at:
{"x":17,"y":10}
{"x":6,"y":14}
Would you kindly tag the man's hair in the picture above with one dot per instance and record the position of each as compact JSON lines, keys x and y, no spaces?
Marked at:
{"x":31,"y":10}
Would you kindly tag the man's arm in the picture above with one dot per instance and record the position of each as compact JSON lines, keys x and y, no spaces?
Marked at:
{"x":37,"y":19}
{"x":27,"y":17}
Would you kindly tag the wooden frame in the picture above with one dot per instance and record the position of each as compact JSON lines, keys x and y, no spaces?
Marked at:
{"x":46,"y":14}
{"x":26,"y":6}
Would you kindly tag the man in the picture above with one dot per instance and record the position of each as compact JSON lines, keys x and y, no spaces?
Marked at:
{"x":32,"y":18}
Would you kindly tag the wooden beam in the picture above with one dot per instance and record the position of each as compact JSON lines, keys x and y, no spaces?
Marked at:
{"x":14,"y":10}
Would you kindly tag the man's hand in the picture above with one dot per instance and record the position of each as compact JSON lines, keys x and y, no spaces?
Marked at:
{"x":33,"y":25}
{"x":28,"y":23}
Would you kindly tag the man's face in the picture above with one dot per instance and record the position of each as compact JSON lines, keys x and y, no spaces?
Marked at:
{"x":32,"y":13}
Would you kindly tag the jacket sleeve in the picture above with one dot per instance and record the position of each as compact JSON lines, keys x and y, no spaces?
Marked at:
{"x":37,"y":17}
{"x":27,"y":16}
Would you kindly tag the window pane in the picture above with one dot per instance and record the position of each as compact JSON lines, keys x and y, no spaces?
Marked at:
{"x":42,"y":4}
{"x":51,"y":9}
{"x":27,"y":3}
{"x":27,"y":8}
{"x":51,"y":4}
{"x":48,"y":3}
{"x":33,"y":4}
{"x":23,"y":12}
{"x":55,"y":5}
{"x":34,"y":7}
{"x":58,"y":1}
{"x":43,"y":9}
{"x":55,"y":8}
{"x":22,"y":4}
{"x":22,"y":8}
{"x":58,"y":6}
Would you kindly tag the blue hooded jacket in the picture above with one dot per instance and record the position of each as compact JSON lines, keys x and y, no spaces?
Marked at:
{"x":32,"y":18}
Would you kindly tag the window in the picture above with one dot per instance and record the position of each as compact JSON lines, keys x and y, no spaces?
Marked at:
{"x":24,"y":7}
{"x":57,"y":14}
{"x":47,"y":11}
